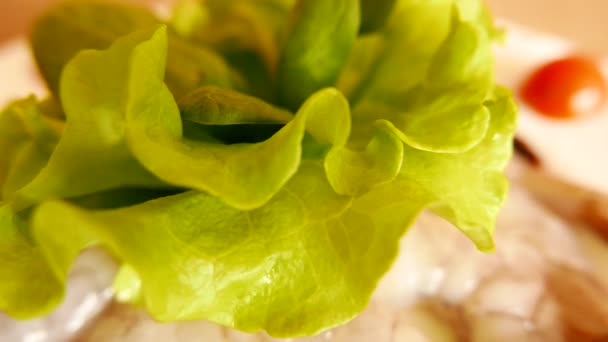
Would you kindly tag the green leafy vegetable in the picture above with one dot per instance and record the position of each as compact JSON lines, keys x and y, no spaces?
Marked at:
{"x":240,"y":268}
{"x":219,"y":203}
{"x":316,"y":53}
{"x":374,"y":14}
{"x":187,"y":16}
{"x":92,"y":154}
{"x":468,"y":188}
{"x":396,"y":65}
{"x":236,"y":25}
{"x":32,"y":276}
{"x":450,"y":98}
{"x":77,"y":25}
{"x":245,"y":175}
{"x":248,"y":33}
{"x":214,"y":106}
{"x":27,"y":139}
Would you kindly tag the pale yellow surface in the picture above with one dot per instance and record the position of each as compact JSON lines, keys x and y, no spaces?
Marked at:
{"x":583,"y":21}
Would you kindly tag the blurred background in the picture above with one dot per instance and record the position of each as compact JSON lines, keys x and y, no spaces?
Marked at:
{"x":580,"y":20}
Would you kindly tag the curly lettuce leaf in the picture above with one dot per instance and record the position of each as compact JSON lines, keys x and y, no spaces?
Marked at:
{"x":92,"y":154}
{"x":243,"y":175}
{"x":374,"y":14}
{"x":27,"y":138}
{"x":307,"y":260}
{"x":62,"y":32}
{"x":342,"y":244}
{"x":318,"y":46}
{"x":28,"y":286}
{"x":446,"y":118}
{"x":286,"y":229}
{"x":355,"y":172}
{"x":281,"y":239}
{"x":469,"y":188}
{"x":215,"y":106}
{"x":396,"y":58}
{"x":248,"y":33}
{"x":396,"y":65}
{"x":32,"y":276}
{"x":236,"y":25}
{"x":438,"y":106}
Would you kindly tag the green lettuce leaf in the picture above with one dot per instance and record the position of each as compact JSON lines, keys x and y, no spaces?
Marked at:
{"x":397,"y":66}
{"x":468,"y":189}
{"x":249,"y":174}
{"x":35,"y":264}
{"x":92,"y":154}
{"x":248,"y":33}
{"x":291,"y":226}
{"x":32,"y":276}
{"x":374,"y":14}
{"x":236,"y":25}
{"x":307,"y":260}
{"x":319,"y":43}
{"x":243,"y":175}
{"x":442,"y":90}
{"x":70,"y":27}
{"x":27,"y":138}
{"x":215,"y":106}
{"x":28,"y":286}
{"x":226,"y":207}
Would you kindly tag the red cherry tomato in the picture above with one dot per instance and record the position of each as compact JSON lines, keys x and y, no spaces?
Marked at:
{"x":566,"y":88}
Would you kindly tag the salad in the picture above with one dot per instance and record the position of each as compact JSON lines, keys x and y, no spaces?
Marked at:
{"x":249,"y":163}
